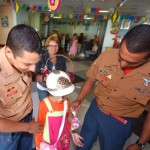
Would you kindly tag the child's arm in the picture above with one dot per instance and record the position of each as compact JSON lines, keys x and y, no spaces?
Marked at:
{"x":41,"y":118}
{"x":77,"y":139}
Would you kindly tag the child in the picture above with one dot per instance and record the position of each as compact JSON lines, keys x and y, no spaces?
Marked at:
{"x":58,"y":85}
{"x":94,"y":50}
{"x":74,"y":45}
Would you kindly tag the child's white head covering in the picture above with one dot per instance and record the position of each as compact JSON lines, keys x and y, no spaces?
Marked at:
{"x":59,"y":84}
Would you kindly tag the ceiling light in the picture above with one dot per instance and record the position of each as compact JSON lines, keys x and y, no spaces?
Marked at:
{"x":104,"y":11}
{"x":89,"y":18}
{"x":56,"y":17}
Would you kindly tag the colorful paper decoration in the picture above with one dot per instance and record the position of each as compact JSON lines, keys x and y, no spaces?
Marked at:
{"x":81,"y":16}
{"x":114,"y":16}
{"x":105,"y":17}
{"x":35,"y":8}
{"x":75,"y":16}
{"x":27,"y":8}
{"x":97,"y":10}
{"x":93,"y":10}
{"x":46,"y":8}
{"x":39,"y":8}
{"x":88,"y":10}
{"x":8,"y":1}
{"x":70,"y":16}
{"x":53,"y":5}
{"x":16,"y":6}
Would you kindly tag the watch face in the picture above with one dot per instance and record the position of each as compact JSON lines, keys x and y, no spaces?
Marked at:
{"x":141,"y":146}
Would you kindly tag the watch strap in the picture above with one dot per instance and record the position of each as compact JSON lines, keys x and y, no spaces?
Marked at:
{"x":43,"y":79}
{"x":141,"y":146}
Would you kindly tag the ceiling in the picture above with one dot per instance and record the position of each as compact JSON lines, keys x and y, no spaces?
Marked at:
{"x":130,"y":7}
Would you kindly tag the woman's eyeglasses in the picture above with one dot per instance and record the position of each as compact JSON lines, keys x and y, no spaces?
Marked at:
{"x":52,"y":46}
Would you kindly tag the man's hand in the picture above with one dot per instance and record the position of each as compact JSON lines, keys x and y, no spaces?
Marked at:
{"x":75,"y":106}
{"x":34,"y":127}
{"x":133,"y":147}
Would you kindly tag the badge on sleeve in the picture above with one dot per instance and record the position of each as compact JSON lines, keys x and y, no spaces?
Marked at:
{"x":142,"y":90}
{"x":146,"y":81}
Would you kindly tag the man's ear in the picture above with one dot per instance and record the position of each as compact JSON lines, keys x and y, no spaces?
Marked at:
{"x":8,"y":52}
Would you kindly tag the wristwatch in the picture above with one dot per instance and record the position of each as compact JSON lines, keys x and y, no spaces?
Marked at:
{"x":141,"y":146}
{"x":43,"y":79}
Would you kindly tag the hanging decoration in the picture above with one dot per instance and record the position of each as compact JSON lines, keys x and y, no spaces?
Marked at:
{"x":115,"y":14}
{"x":88,"y":10}
{"x":16,"y":6}
{"x":54,"y":5}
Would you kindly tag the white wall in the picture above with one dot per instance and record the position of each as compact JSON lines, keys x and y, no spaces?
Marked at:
{"x":89,"y":31}
{"x":22,"y":16}
{"x":108,"y":39}
{"x":6,"y":11}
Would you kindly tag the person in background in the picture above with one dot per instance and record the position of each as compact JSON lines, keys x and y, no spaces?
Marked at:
{"x":67,"y":41}
{"x":74,"y":45}
{"x":80,"y":41}
{"x":44,"y":67}
{"x":54,"y":33}
{"x":122,"y":93}
{"x":17,"y":62}
{"x":62,"y":42}
{"x":96,"y":40}
{"x":94,"y":50}
{"x":59,"y":86}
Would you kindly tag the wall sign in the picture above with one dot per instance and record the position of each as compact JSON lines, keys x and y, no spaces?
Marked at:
{"x":4,"y":21}
{"x":125,"y":24}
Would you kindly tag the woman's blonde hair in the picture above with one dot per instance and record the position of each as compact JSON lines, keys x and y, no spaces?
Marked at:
{"x":52,"y":38}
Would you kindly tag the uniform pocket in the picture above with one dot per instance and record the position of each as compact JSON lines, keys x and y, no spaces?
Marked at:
{"x":11,"y":94}
{"x":139,"y":95}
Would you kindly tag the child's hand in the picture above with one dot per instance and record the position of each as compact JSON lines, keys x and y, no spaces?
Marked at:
{"x":77,"y":139}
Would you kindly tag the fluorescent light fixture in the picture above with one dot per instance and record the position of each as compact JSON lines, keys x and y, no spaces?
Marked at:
{"x":104,"y":11}
{"x":88,"y":18}
{"x":56,"y":17}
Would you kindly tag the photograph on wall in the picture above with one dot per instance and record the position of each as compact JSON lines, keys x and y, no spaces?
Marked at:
{"x":4,"y":21}
{"x":125,"y":25}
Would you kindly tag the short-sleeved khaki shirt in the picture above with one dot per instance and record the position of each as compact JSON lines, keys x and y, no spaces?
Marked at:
{"x":122,"y":95}
{"x":15,"y":91}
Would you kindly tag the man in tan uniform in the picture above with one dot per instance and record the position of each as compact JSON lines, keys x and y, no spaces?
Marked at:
{"x":17,"y":61}
{"x":122,"y":93}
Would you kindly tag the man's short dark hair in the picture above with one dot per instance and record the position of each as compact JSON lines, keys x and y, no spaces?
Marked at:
{"x":138,"y":39}
{"x":24,"y":38}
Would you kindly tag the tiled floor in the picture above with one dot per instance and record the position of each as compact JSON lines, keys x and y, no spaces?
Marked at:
{"x":80,"y":67}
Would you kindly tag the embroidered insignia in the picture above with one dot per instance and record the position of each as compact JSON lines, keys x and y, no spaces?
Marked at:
{"x":103,"y":77}
{"x":105,"y":73}
{"x":108,"y":67}
{"x":63,"y":81}
{"x":9,"y":87}
{"x":12,"y":93}
{"x":109,"y":76}
{"x":146,"y":81}
{"x":142,"y":90}
{"x":101,"y":70}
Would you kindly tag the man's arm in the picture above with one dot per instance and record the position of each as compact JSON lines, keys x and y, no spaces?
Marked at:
{"x":145,"y":135}
{"x":38,"y":78}
{"x":86,"y":89}
{"x":15,"y":126}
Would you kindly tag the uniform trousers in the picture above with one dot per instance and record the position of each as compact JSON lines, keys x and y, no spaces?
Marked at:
{"x":17,"y":140}
{"x":111,"y":132}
